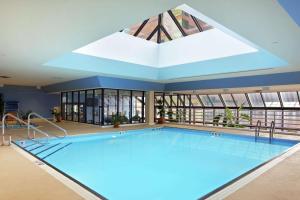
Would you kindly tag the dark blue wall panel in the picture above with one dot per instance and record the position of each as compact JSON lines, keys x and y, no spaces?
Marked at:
{"x":30,"y":98}
{"x":246,"y":81}
{"x":104,"y":82}
{"x":292,"y":7}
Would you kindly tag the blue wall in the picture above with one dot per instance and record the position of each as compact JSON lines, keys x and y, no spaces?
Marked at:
{"x":292,"y":7}
{"x":104,"y":82}
{"x":236,"y":82}
{"x":31,"y":98}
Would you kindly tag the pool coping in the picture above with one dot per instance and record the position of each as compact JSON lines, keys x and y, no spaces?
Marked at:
{"x":219,"y":193}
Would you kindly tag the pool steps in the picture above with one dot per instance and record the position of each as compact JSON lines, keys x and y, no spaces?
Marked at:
{"x":45,"y":150}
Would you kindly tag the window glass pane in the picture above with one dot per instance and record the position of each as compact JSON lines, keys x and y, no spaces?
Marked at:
{"x":64,"y":97}
{"x":195,"y":101}
{"x":205,"y":100}
{"x":289,"y":99}
{"x":89,"y":106}
{"x":187,"y":100}
{"x":240,"y":99}
{"x":98,"y":106}
{"x":163,"y":37}
{"x":154,"y":37}
{"x":271,"y":99}
{"x":228,"y":100}
{"x":215,"y":99}
{"x":256,"y":100}
{"x":149,"y":27}
{"x":75,"y":106}
{"x":137,"y":106}
{"x":204,"y":25}
{"x":291,"y":119}
{"x":132,"y":29}
{"x":124,"y":105}
{"x":63,"y":105}
{"x":170,"y":26}
{"x":180,"y":100}
{"x":110,"y":105}
{"x":82,"y":106}
{"x":167,"y":100}
{"x":186,"y":21}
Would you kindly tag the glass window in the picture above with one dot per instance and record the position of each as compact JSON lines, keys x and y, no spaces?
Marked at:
{"x":292,"y":119}
{"x":89,"y":106}
{"x":167,"y":100}
{"x":63,"y":105}
{"x":69,"y":114}
{"x":271,"y":99}
{"x":180,"y":100}
{"x":228,"y":100}
{"x":75,"y":106}
{"x":138,"y":109}
{"x":215,"y":99}
{"x":205,"y":100}
{"x":110,"y":105}
{"x":240,"y":100}
{"x":82,"y":106}
{"x":195,"y":100}
{"x":124,"y":105}
{"x":170,"y":26}
{"x":149,"y":27}
{"x":256,"y":100}
{"x":290,"y":99}
{"x":97,"y":106}
{"x":187,"y":100}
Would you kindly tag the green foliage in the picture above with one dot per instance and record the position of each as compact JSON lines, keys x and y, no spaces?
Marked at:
{"x":170,"y":114}
{"x":136,"y":117}
{"x":119,"y":119}
{"x":160,"y":107}
{"x":216,"y":120}
{"x":55,"y":112}
{"x":229,"y":120}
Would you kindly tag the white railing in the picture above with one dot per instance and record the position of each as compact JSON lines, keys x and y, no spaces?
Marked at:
{"x":46,"y":120}
{"x":20,"y":121}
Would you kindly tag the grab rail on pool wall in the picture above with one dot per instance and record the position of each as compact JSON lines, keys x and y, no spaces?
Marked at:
{"x":46,"y":120}
{"x":21,"y":121}
{"x":257,"y":129}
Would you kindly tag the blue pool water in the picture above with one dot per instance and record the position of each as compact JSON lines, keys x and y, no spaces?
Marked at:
{"x":169,"y":163}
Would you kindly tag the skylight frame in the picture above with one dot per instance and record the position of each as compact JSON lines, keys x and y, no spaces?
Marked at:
{"x":159,"y":29}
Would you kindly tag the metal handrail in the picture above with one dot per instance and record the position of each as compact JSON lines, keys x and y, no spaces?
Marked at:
{"x":272,"y":128}
{"x":48,"y":121}
{"x":257,"y":129}
{"x":21,"y":121}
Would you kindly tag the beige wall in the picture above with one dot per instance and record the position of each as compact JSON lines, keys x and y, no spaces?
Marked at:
{"x":149,"y":107}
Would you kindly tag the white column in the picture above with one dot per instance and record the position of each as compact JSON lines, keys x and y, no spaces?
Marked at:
{"x":150,"y":108}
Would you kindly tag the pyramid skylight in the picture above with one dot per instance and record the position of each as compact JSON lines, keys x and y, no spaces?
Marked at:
{"x":167,"y":26}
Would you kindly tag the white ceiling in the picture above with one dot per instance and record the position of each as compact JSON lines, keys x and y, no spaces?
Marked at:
{"x":34,"y":32}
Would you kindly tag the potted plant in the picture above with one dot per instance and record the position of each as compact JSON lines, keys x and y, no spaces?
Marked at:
{"x":170,"y":114}
{"x":161,"y":111}
{"x":116,"y":120}
{"x":24,"y":115}
{"x":136,"y":117}
{"x":56,"y":114}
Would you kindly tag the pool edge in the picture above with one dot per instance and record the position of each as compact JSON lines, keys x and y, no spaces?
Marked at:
{"x":235,"y":184}
{"x":61,"y":176}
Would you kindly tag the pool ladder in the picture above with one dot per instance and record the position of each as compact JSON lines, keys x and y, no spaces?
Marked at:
{"x":29,"y":126}
{"x":271,"y":132}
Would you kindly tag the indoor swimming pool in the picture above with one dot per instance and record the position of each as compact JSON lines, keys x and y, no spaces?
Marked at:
{"x":160,"y":163}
